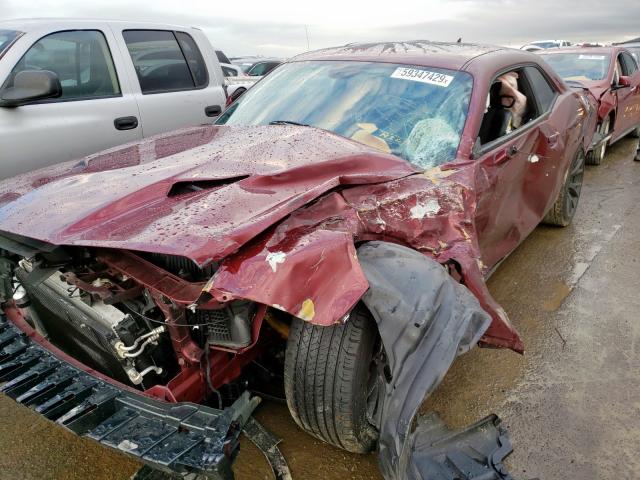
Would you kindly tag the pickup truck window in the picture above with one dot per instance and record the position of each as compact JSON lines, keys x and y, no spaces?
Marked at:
{"x":165,"y":61}
{"x":7,"y":37}
{"x":80,"y":58}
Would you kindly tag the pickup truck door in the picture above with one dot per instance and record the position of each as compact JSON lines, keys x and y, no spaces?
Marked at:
{"x":97,"y":109}
{"x":177,"y":77}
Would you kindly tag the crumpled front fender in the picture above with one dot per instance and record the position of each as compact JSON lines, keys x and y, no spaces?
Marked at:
{"x":307,"y":265}
{"x":315,"y":276}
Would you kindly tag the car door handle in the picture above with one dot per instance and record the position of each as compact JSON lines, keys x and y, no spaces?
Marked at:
{"x":125,"y":123}
{"x":213,"y":110}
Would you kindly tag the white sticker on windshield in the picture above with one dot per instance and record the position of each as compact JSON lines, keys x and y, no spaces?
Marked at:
{"x":424,"y":76}
{"x":591,"y":57}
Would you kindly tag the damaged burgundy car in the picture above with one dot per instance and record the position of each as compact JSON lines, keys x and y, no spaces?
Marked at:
{"x":342,"y":216}
{"x":610,"y":78}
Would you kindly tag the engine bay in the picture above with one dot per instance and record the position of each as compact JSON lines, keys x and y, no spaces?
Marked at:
{"x":139,"y":318}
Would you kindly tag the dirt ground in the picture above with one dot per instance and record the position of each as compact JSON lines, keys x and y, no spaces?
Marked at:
{"x":571,"y":403}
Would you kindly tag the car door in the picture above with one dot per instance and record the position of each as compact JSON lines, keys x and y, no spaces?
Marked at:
{"x":97,"y":109}
{"x":176,"y":86}
{"x":514,"y":189}
{"x":628,"y":115}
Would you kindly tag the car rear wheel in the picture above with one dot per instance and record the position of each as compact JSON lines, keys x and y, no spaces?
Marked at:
{"x":566,"y":204}
{"x":331,"y":380}
{"x":596,"y":157}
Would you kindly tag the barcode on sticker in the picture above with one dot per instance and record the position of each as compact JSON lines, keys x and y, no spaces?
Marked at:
{"x":591,"y":57}
{"x":424,"y":76}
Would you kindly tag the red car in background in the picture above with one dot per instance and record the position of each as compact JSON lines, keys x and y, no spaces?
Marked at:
{"x":612,"y":77}
{"x":341,"y":217}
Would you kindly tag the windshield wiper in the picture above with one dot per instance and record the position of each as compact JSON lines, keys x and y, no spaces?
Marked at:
{"x":287,"y":122}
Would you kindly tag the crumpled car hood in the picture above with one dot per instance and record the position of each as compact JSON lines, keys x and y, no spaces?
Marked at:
{"x":201,"y":192}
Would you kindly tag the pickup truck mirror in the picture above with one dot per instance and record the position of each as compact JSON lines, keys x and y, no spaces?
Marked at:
{"x":623,"y":82}
{"x":31,"y":86}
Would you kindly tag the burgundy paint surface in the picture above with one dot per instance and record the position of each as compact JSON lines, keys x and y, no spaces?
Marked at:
{"x":284,"y":207}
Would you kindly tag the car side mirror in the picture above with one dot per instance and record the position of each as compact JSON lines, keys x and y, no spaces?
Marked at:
{"x":623,"y":82}
{"x":30,"y":86}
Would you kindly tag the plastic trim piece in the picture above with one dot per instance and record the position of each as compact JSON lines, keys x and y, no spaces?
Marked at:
{"x":173,"y":437}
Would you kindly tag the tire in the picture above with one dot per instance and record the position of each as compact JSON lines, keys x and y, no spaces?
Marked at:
{"x":566,"y":204}
{"x":596,"y":157}
{"x":327,"y":374}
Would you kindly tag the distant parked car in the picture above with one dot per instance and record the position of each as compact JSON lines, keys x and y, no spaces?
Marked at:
{"x":230,"y":70}
{"x":257,"y":66}
{"x":612,"y":76}
{"x":260,"y":69}
{"x":544,"y":44}
{"x":69,"y":88}
{"x":222,"y":58}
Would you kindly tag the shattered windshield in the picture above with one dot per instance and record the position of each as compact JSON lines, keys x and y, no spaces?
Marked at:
{"x":579,"y":66}
{"x":7,"y":37}
{"x":417,"y":113}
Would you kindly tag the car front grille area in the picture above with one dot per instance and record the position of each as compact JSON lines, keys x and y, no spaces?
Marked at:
{"x":182,"y":437}
{"x":183,"y":267}
{"x":73,"y":329}
{"x":227,"y":327}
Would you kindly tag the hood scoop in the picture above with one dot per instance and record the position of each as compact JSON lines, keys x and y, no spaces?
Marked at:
{"x":191,"y":186}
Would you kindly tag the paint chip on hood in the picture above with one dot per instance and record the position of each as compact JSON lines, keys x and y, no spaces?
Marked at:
{"x":428,"y":209}
{"x":274,"y":258}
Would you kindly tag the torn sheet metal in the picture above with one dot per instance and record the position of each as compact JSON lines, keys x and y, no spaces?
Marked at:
{"x":425,"y":320}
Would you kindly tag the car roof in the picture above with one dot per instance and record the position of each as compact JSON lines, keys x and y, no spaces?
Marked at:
{"x":27,"y":24}
{"x":415,"y":52}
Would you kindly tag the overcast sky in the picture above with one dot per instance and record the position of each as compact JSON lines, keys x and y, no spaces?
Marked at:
{"x":277,"y":27}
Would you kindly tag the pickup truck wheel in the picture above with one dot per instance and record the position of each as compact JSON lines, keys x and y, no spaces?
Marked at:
{"x":566,"y":204}
{"x":332,"y":382}
{"x":596,"y":157}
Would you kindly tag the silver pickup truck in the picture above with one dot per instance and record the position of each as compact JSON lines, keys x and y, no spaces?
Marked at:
{"x":69,"y":88}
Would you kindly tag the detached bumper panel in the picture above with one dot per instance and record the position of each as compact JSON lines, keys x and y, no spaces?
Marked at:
{"x":174,"y":437}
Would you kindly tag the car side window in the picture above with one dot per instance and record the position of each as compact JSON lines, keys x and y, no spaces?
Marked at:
{"x":194,"y":59}
{"x":81,"y":59}
{"x":260,"y":69}
{"x":165,"y":61}
{"x":617,"y":70}
{"x":542,"y":89}
{"x":630,"y":65}
{"x":510,"y":105}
